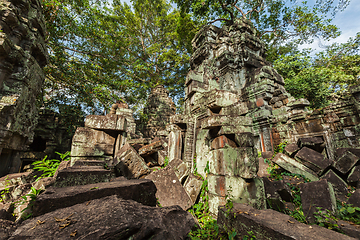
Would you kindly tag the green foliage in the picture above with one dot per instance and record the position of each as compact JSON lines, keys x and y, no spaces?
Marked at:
{"x":324,"y":218}
{"x":30,"y":198}
{"x":49,"y":166}
{"x":348,"y":213}
{"x":5,"y":192}
{"x":103,"y":51}
{"x":250,"y":236}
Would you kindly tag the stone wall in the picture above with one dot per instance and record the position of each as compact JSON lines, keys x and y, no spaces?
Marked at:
{"x":23,"y":54}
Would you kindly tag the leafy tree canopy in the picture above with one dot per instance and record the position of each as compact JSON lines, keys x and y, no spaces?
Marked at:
{"x":101,"y":52}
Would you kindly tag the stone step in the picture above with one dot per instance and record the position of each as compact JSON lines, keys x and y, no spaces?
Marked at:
{"x":74,"y":176}
{"x":81,"y":163}
{"x":140,"y":190}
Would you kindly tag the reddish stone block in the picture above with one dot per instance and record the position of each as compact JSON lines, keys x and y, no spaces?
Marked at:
{"x":259,"y":102}
{"x":221,"y":142}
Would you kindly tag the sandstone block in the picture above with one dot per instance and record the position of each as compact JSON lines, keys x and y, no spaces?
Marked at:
{"x":268,"y":224}
{"x":354,"y":176}
{"x":339,"y":185}
{"x":291,"y":149}
{"x":108,"y":122}
{"x":313,"y":160}
{"x":151,"y":148}
{"x":90,"y":142}
{"x":192,"y":186}
{"x":294,"y":166}
{"x":180,"y":168}
{"x":244,"y":139}
{"x":355,"y":198}
{"x":229,"y":161}
{"x":314,"y":195}
{"x":109,"y":217}
{"x":129,"y":163}
{"x":169,"y":189}
{"x":345,"y":162}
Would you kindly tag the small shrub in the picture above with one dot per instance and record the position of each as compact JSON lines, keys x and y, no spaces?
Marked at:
{"x":49,"y":166}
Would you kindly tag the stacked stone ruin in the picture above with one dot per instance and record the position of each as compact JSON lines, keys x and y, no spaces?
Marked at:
{"x":23,"y":54}
{"x":159,"y":108}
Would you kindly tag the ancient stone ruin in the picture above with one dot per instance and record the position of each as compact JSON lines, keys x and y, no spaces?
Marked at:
{"x":236,"y":113}
{"x":23,"y":54}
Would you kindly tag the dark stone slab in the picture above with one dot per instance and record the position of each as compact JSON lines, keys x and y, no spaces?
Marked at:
{"x":263,"y":166}
{"x":346,"y":161}
{"x":317,"y":194}
{"x":180,"y":168}
{"x":313,"y":160}
{"x":354,"y":199}
{"x":109,"y":218}
{"x":268,"y":224}
{"x":291,"y":149}
{"x":339,"y":185}
{"x":349,"y":229}
{"x":169,"y":189}
{"x":192,"y":186}
{"x":53,"y":198}
{"x":340,"y":151}
{"x":245,"y":139}
{"x":354,"y":176}
{"x":315,"y":143}
{"x":129,"y":163}
{"x":82,"y":175}
{"x":151,"y":148}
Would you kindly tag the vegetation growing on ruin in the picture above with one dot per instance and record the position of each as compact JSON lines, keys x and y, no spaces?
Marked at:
{"x":48,"y":167}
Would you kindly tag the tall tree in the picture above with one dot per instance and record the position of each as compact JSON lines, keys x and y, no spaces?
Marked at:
{"x":101,"y":52}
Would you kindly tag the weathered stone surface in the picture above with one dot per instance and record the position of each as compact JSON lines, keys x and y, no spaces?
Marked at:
{"x":349,"y":229}
{"x":23,"y":55}
{"x":345,"y":162}
{"x":74,"y":176}
{"x":339,"y":185}
{"x":192,"y":186}
{"x":14,"y":179}
{"x":313,"y":160}
{"x":277,"y":188}
{"x":159,"y":107}
{"x":90,"y":142}
{"x":6,"y":210}
{"x":314,"y":195}
{"x":354,"y":176}
{"x":221,"y":120}
{"x":294,"y":166}
{"x":229,"y":161}
{"x":269,"y":224}
{"x":175,"y":143}
{"x":6,"y":228}
{"x":169,"y":189}
{"x":244,"y":139}
{"x":291,"y":149}
{"x":263,"y":166}
{"x":151,"y":148}
{"x":108,"y":122}
{"x":91,"y":161}
{"x":140,"y":190}
{"x":129,"y":163}
{"x":355,"y":198}
{"x":180,"y":168}
{"x":221,"y":142}
{"x":109,"y":218}
{"x":311,"y":142}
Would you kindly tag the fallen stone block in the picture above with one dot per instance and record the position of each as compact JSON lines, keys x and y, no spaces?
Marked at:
{"x":351,"y":230}
{"x":74,"y":176}
{"x":169,"y":189}
{"x":340,"y":151}
{"x":192,"y":186}
{"x":109,"y":218}
{"x":268,"y":224}
{"x":241,"y":162}
{"x":90,"y":142}
{"x":108,"y":122}
{"x":339,"y":185}
{"x":14,"y":179}
{"x":346,"y":161}
{"x":129,"y":163}
{"x":139,"y":190}
{"x":222,"y":142}
{"x":291,"y":149}
{"x":263,"y":166}
{"x":151,"y":148}
{"x":6,"y":210}
{"x":314,"y":195}
{"x":277,"y":188}
{"x":354,"y":176}
{"x":214,"y":202}
{"x":354,"y":199}
{"x":161,"y":157}
{"x":313,"y":160}
{"x":180,"y":168}
{"x":315,"y":143}
{"x":294,"y":166}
